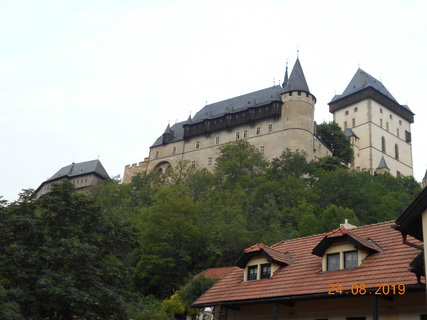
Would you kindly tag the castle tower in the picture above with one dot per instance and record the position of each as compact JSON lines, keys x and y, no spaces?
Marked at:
{"x":381,"y":124}
{"x":298,"y":112}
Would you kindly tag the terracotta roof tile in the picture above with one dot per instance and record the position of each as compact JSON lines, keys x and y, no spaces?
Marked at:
{"x":216,"y":273}
{"x":304,"y":276}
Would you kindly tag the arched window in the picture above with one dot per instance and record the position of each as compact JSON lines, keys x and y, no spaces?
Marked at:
{"x":383,"y":144}
{"x":396,"y":151}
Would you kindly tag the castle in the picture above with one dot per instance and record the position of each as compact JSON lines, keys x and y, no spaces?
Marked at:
{"x":282,"y":117}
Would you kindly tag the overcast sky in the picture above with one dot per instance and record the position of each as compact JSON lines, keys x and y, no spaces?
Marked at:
{"x":86,"y":79}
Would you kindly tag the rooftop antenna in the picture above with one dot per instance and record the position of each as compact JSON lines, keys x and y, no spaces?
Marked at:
{"x":358,"y":64}
{"x":298,"y":52}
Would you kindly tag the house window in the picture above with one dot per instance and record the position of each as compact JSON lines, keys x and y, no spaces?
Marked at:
{"x":258,"y":130}
{"x":261,"y":149}
{"x":270,"y":127}
{"x":245,"y":134}
{"x":350,"y":259}
{"x":209,"y":161}
{"x":383,"y":144}
{"x":237,"y":135}
{"x":353,"y":123}
{"x":157,"y":154}
{"x":252,"y":272}
{"x":355,"y":109}
{"x":396,"y":151}
{"x":173,"y":150}
{"x":197,"y":145}
{"x":333,"y":262}
{"x":265,"y":271}
{"x":216,"y":140}
{"x":346,"y":113}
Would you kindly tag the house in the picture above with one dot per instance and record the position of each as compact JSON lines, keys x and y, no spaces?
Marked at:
{"x":413,"y":223}
{"x":352,"y":273}
{"x":378,"y":126}
{"x":81,"y":175}
{"x":272,"y":119}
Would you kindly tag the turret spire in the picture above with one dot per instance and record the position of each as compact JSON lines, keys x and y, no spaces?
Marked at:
{"x":297,"y":80}
{"x":285,"y":81}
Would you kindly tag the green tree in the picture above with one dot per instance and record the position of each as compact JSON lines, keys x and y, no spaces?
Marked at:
{"x":59,"y":257}
{"x":332,"y":135}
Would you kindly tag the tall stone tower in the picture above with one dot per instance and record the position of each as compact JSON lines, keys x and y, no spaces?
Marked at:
{"x":378,"y":126}
{"x":298,"y":112}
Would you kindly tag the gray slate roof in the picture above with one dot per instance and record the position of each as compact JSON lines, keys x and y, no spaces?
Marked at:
{"x":297,"y":80}
{"x":383,"y":164}
{"x":350,"y":133}
{"x":357,"y":85}
{"x":77,"y":169}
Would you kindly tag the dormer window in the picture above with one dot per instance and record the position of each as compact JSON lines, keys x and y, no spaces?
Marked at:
{"x":252,"y":273}
{"x":333,"y":262}
{"x":265,"y":271}
{"x":351,"y":259}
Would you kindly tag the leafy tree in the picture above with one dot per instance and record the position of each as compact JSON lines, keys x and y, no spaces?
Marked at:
{"x":289,"y":163}
{"x":336,"y":140}
{"x":59,"y":257}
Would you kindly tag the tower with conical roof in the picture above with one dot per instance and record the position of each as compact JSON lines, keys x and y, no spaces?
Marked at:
{"x":382,"y":125}
{"x":298,"y":112}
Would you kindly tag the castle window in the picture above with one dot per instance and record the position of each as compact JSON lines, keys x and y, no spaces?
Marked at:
{"x":265,"y":271}
{"x":397,"y":132}
{"x":333,"y":262}
{"x":386,"y":126}
{"x":306,"y":95}
{"x":252,"y":272}
{"x":400,"y":122}
{"x":381,"y":123}
{"x":355,"y":109}
{"x":237,"y":135}
{"x":353,"y":123}
{"x":345,"y":125}
{"x":396,"y":151}
{"x":407,"y":136}
{"x":350,"y":259}
{"x":173,"y":150}
{"x":197,"y":144}
{"x":391,"y":116}
{"x":258,"y":130}
{"x":270,"y":127}
{"x":398,"y":174}
{"x":383,"y":144}
{"x":299,"y":93}
{"x":346,"y":113}
{"x":290,"y":94}
{"x":209,"y":161}
{"x":381,"y":110}
{"x":157,"y":154}
{"x":261,"y":149}
{"x":193,"y":164}
{"x":216,"y":140}
{"x":245,"y":134}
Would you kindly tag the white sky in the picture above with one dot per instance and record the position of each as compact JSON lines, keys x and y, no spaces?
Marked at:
{"x":89,"y":78}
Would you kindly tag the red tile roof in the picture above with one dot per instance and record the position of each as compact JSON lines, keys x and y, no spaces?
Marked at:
{"x":216,"y":273}
{"x":260,"y":248}
{"x":305,"y":277}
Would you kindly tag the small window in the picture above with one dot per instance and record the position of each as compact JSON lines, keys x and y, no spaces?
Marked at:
{"x":346,"y":113}
{"x":350,"y":260}
{"x":355,"y":109}
{"x":197,"y":145}
{"x":333,"y":262}
{"x":397,"y":132}
{"x":209,"y":161}
{"x":383,"y":144}
{"x":398,"y":174}
{"x":157,"y":154}
{"x":396,"y":151}
{"x":391,"y":116}
{"x":216,"y":140}
{"x":345,"y":125}
{"x":261,"y":149}
{"x":173,"y":150}
{"x":270,"y":127}
{"x":265,"y":271}
{"x":245,"y":134}
{"x":290,"y":94}
{"x":258,"y":130}
{"x":299,"y":93}
{"x":252,"y":272}
{"x":408,"y":136}
{"x":353,"y":122}
{"x":381,"y":123}
{"x":237,"y":135}
{"x":193,"y":164}
{"x":381,"y":110}
{"x":400,"y":122}
{"x":386,"y":126}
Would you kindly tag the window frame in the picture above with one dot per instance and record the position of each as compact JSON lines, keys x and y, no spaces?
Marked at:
{"x":263,"y":275}
{"x":345,"y":261}
{"x":252,"y":273}
{"x":335,"y":254}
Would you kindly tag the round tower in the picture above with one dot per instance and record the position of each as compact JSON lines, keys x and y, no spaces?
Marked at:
{"x":298,"y":112}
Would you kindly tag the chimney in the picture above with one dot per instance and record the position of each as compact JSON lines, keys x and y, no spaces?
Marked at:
{"x":347,"y":225}
{"x":362,"y":79}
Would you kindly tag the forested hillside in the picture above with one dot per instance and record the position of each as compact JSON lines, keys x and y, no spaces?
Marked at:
{"x":106,"y":251}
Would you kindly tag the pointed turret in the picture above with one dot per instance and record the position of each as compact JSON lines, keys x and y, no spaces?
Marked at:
{"x":286,"y":80}
{"x":189,"y":120}
{"x":382,"y":167}
{"x":168,"y":135}
{"x":297,"y":80}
